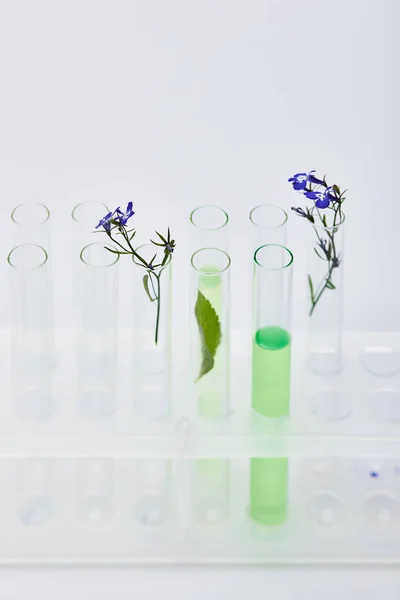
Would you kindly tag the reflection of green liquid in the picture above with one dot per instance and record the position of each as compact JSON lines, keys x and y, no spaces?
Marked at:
{"x":268,"y":490}
{"x":212,"y":489}
{"x":271,"y":372}
{"x":211,"y":400}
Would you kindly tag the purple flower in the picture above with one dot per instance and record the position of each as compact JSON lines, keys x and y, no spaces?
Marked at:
{"x":123,"y":217}
{"x":313,"y":179}
{"x":300,"y":180}
{"x":322,"y":199}
{"x":105,"y":222}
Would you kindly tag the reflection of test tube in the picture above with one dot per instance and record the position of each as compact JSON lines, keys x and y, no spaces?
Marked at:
{"x":152,"y":491}
{"x":210,"y":490}
{"x":95,"y":490}
{"x":268,"y":490}
{"x":97,"y":339}
{"x":31,"y":335}
{"x":34,"y":478}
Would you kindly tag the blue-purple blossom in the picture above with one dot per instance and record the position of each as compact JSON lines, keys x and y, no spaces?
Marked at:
{"x":322,"y":199}
{"x":105,"y":222}
{"x":313,"y":179}
{"x":123,"y":217}
{"x":300,"y":180}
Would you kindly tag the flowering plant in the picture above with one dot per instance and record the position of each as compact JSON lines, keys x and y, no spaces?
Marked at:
{"x":326,"y":215}
{"x":114,"y":224}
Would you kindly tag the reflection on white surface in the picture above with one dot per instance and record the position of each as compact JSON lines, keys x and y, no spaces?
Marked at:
{"x":382,"y":509}
{"x":385,"y":404}
{"x":324,"y":508}
{"x":329,"y":404}
{"x":381,"y":360}
{"x":95,"y":490}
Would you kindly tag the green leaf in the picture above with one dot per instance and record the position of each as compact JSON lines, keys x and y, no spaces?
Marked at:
{"x":330,"y":285}
{"x":210,"y":332}
{"x":115,"y":251}
{"x":310,"y":284}
{"x":319,"y":255}
{"x":146,"y":287}
{"x":162,"y":237}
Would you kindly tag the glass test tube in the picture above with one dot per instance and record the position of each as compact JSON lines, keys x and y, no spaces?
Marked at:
{"x":31,"y":222}
{"x":31,"y":333}
{"x":272,"y":338}
{"x":269,"y":225}
{"x":210,"y":332}
{"x":85,"y":217}
{"x":97,"y":335}
{"x":152,"y":338}
{"x":210,"y":228}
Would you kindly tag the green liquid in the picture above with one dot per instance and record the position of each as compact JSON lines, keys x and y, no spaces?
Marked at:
{"x":268,"y":490}
{"x":271,"y":372}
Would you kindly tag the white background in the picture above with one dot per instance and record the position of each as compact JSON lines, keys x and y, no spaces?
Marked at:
{"x":177,"y":103}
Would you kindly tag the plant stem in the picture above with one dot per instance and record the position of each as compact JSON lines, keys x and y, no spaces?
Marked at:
{"x":316,"y":299}
{"x":158,"y":307}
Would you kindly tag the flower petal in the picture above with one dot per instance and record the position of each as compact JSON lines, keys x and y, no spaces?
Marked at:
{"x":313,"y":195}
{"x":322,"y":202}
{"x":313,"y":179}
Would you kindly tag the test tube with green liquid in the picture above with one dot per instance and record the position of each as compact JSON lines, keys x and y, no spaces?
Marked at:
{"x":272,"y":324}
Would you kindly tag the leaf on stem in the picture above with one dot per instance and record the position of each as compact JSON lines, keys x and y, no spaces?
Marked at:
{"x":310,"y":284}
{"x":330,"y":285}
{"x":115,"y":251}
{"x":146,"y":288}
{"x":210,"y":333}
{"x":162,"y":237}
{"x":319,"y":255}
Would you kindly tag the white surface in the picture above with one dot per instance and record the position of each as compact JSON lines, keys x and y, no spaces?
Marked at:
{"x":112,"y":511}
{"x":287,"y":584}
{"x":178,"y":103}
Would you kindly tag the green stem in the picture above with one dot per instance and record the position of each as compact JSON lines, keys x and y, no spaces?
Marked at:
{"x":158,"y":307}
{"x":318,"y":296}
{"x":331,"y":262}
